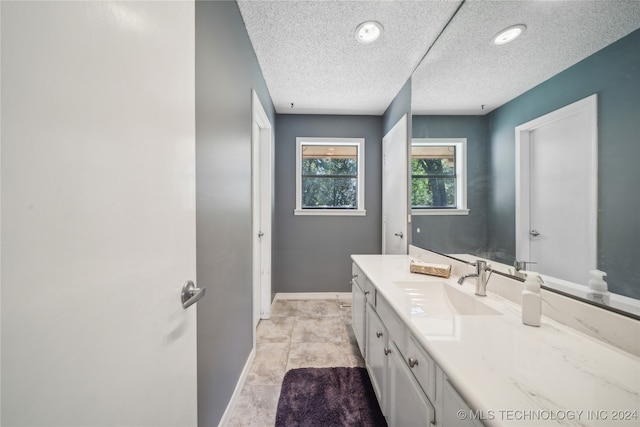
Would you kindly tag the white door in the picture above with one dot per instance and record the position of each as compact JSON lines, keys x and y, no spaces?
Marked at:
{"x":395,"y":189}
{"x":262,"y":153}
{"x":98,"y":213}
{"x":560,"y":231}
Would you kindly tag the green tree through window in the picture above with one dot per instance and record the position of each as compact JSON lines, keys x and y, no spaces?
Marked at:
{"x":433,"y":177}
{"x":329,"y":177}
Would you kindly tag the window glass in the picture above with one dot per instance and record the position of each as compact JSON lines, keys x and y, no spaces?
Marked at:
{"x":433,"y":176}
{"x":439,"y":176}
{"x":330,"y":176}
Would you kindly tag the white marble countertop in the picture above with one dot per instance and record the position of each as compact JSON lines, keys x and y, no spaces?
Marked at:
{"x":516,"y":374}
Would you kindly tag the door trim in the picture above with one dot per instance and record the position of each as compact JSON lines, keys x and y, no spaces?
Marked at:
{"x":262,"y":207}
{"x":523,"y":185}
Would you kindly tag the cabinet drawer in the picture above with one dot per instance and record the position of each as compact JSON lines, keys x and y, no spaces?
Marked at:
{"x":397,"y":329}
{"x":360,"y":279}
{"x":357,"y":274}
{"x":424,"y":368}
{"x":371,"y":293}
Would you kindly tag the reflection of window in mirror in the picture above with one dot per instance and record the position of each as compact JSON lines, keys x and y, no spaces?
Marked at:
{"x":438,"y":176}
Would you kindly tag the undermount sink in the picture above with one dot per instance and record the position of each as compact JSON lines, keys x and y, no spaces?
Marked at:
{"x":437,"y":298}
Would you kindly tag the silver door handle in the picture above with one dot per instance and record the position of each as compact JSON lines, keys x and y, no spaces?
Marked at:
{"x":260,"y":234}
{"x":534,"y":233}
{"x":400,"y":234}
{"x":190,"y":294}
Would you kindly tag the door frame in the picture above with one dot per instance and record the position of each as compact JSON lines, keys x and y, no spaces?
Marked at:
{"x":262,"y":208}
{"x":401,"y":125}
{"x":523,"y":183}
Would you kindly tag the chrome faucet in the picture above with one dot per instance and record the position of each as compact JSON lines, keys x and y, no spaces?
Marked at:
{"x":481,"y":275}
{"x":520,"y":268}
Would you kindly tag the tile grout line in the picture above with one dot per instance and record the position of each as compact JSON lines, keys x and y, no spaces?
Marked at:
{"x":296,"y":314}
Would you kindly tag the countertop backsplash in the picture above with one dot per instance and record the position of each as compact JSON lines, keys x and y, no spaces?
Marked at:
{"x":609,"y":327}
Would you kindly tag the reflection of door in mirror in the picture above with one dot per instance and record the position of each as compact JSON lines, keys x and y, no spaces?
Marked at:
{"x":557,"y":207}
{"x":395,"y":189}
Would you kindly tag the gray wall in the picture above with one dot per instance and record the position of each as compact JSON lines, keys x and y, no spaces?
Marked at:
{"x":226,"y":71}
{"x":457,"y":233}
{"x":312,"y":253}
{"x":400,"y":106}
{"x":614,"y":74}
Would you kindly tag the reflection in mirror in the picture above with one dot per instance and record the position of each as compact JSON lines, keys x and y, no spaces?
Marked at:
{"x":438,"y":169}
{"x":488,"y":231}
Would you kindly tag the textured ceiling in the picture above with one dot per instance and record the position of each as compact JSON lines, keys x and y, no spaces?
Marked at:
{"x":465,"y":70}
{"x":309,"y":56}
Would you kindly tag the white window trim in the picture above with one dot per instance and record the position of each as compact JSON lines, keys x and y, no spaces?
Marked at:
{"x":359,"y":142}
{"x":461,"y":175}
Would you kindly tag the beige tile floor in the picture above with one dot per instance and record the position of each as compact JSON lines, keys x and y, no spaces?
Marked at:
{"x":299,"y":334}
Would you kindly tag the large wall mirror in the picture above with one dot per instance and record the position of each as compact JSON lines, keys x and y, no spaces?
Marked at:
{"x":484,"y":93}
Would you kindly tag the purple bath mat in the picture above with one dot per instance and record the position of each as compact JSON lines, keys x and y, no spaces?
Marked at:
{"x":328,"y":397}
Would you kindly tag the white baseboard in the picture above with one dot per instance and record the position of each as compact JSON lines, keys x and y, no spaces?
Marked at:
{"x":226,"y":417}
{"x":342,"y":296}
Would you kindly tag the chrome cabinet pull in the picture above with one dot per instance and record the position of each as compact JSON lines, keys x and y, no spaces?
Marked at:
{"x":190,"y":294}
{"x":400,"y":234}
{"x":412,"y":362}
{"x":534,"y":233}
{"x":378,"y":334}
{"x":387,"y":350}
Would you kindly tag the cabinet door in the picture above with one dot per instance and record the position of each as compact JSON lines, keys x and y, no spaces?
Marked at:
{"x":376,"y":358}
{"x":408,"y":406}
{"x":357,"y":315}
{"x":422,"y":366}
{"x":455,"y":411}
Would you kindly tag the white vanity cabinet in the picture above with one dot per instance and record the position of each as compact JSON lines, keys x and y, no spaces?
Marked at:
{"x":358,"y":306}
{"x":404,"y":376}
{"x":407,"y":404}
{"x":376,"y":355}
{"x":454,"y":412}
{"x":400,"y":395}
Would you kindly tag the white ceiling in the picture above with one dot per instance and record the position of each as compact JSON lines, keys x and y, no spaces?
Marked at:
{"x":309,"y":56}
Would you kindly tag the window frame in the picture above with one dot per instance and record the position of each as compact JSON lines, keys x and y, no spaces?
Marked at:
{"x":357,"y":142}
{"x":461,"y":175}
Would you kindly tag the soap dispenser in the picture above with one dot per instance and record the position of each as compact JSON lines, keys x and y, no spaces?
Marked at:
{"x":598,"y":290}
{"x":531,"y":301}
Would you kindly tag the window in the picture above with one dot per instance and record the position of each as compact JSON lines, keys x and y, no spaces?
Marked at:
{"x":330,"y":176}
{"x":438,"y":177}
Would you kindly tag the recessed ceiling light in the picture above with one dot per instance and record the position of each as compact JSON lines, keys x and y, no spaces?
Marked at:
{"x":509,"y":34}
{"x":368,"y":32}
